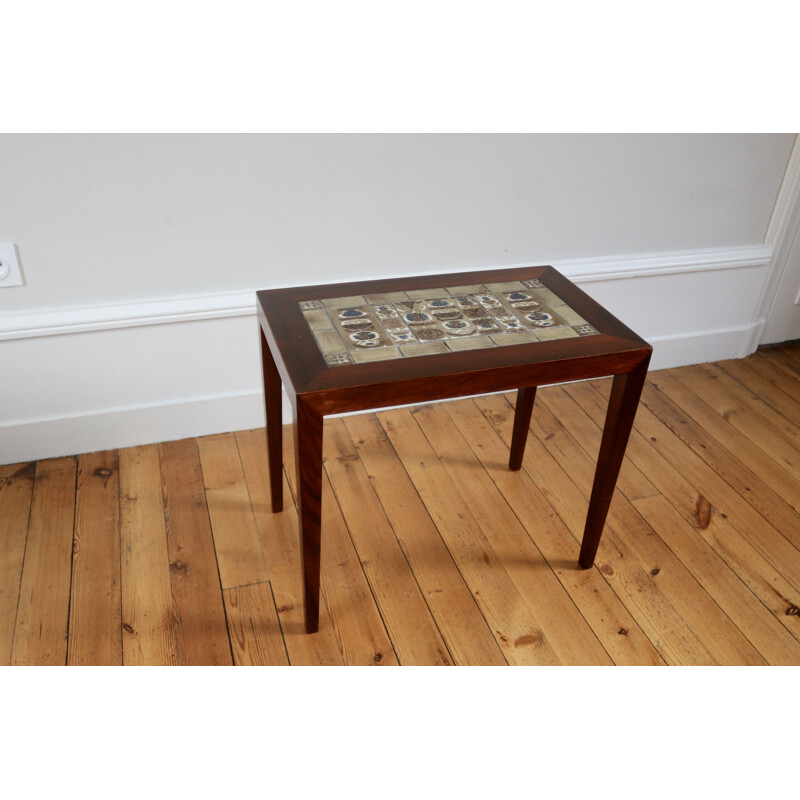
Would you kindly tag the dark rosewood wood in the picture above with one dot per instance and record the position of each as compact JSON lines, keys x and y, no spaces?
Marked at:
{"x":272,"y":401}
{"x":301,"y":362}
{"x":522,"y":421}
{"x":290,"y":354}
{"x":308,"y":466}
{"x":623,"y":402}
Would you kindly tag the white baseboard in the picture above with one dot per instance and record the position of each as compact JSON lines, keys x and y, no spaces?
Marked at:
{"x":191,"y":366}
{"x":57,"y":322}
{"x":126,"y":427}
{"x":200,"y":416}
{"x":702,"y":347}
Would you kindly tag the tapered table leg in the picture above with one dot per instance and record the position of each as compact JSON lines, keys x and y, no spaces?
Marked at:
{"x":522,"y":422}
{"x":272,"y":401}
{"x":625,"y":393}
{"x":308,"y":462}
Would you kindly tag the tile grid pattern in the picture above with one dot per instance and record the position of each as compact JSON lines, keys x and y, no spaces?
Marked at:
{"x":379,"y":327}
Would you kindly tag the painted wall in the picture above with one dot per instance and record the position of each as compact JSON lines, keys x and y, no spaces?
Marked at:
{"x":141,"y":253}
{"x":111,"y":218}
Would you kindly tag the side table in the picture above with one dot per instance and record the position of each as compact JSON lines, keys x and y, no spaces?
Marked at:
{"x":371,"y":344}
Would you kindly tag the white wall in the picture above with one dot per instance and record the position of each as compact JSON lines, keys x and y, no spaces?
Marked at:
{"x":141,"y":253}
{"x":110,"y":218}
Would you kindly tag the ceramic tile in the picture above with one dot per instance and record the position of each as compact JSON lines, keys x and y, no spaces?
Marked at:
{"x":387,"y":297}
{"x":508,"y":286}
{"x":547,"y":297}
{"x":329,"y":341}
{"x":469,"y":343}
{"x":568,"y":315}
{"x":424,"y":349}
{"x":426,"y":294}
{"x":551,"y":334}
{"x":473,"y":288}
{"x":376,"y":354}
{"x":318,"y":320}
{"x":379,"y":327}
{"x":503,"y":339}
{"x":342,"y":302}
{"x":337,"y":359}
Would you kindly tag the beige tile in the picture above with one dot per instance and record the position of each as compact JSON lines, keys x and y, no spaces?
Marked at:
{"x":508,"y":286}
{"x":512,"y":338}
{"x":472,"y":288}
{"x":547,"y":297}
{"x":388,"y":297}
{"x":329,"y":341}
{"x":550,"y":334}
{"x":374,"y":354}
{"x":423,"y":349}
{"x":318,"y":320}
{"x":344,"y":302}
{"x":427,"y":294}
{"x":470,"y":343}
{"x":568,"y":315}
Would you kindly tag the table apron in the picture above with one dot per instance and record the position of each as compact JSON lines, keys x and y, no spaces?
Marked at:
{"x":444,"y":387}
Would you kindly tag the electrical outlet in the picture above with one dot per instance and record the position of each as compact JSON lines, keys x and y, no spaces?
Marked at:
{"x":10,"y":272}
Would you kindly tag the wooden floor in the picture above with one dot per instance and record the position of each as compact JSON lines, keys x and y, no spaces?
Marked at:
{"x":433,"y":552}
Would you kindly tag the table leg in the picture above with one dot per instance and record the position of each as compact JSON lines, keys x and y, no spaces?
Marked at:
{"x":272,"y":401}
{"x":522,"y":422}
{"x":308,"y":464}
{"x":625,"y":393}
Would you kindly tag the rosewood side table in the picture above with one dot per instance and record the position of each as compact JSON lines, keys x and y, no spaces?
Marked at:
{"x":366,"y":345}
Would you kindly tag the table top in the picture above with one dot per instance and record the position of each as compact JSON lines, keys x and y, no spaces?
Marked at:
{"x":342,"y":335}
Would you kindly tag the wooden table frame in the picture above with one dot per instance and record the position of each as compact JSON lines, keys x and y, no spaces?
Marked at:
{"x":290,"y":356}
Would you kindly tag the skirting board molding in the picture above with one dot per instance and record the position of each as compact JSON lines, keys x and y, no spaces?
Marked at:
{"x":59,"y":429}
{"x":57,"y":322}
{"x":128,"y":426}
{"x":54,"y":322}
{"x":33,"y":439}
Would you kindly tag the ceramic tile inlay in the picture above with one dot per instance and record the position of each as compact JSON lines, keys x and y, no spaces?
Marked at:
{"x":355,"y":330}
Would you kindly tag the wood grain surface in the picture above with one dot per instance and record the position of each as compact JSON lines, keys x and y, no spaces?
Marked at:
{"x":434,"y":551}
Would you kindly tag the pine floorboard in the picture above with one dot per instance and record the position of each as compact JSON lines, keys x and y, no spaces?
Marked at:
{"x":434,"y":553}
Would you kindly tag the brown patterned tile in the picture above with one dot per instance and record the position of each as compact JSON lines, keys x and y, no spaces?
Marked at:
{"x":379,"y":327}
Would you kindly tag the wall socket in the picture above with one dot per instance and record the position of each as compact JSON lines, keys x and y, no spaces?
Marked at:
{"x":10,"y":271}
